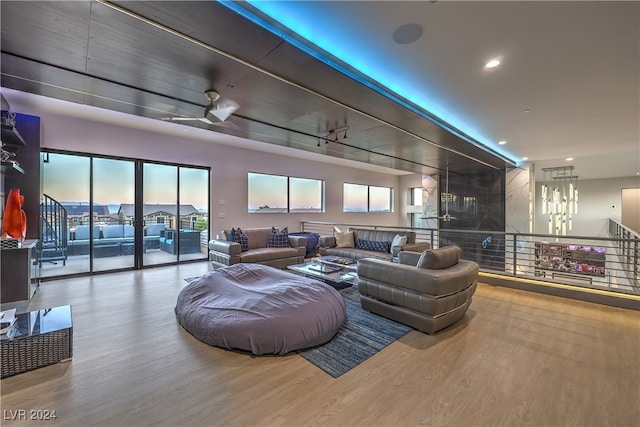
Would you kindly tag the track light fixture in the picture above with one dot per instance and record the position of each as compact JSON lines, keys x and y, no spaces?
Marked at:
{"x":332,"y":134}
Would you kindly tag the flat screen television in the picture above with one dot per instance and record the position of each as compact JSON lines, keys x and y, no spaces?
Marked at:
{"x":576,"y":259}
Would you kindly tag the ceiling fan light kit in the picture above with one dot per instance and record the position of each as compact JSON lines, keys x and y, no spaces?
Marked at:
{"x":214,"y":113}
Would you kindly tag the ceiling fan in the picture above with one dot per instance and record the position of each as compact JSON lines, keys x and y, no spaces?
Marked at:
{"x":447,"y":216}
{"x":216,"y":113}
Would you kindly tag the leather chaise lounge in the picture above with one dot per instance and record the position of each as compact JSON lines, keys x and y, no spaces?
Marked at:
{"x":428,"y":298}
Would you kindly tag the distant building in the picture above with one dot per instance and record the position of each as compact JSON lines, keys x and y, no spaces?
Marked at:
{"x":78,"y":213}
{"x":186,"y":217}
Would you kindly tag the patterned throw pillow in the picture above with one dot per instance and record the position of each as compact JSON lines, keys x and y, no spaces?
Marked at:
{"x":397,"y":244}
{"x":238,"y":236}
{"x":279,"y":239}
{"x":372,"y":245}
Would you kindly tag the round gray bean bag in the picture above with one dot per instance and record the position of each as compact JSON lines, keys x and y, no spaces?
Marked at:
{"x":260,"y":309}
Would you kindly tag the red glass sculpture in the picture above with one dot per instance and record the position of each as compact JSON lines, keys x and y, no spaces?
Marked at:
{"x":14,"y":221}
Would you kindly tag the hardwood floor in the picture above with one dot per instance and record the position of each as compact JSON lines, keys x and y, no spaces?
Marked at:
{"x":518,"y":359}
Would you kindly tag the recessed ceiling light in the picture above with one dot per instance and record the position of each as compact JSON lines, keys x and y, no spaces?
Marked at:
{"x":492,"y":63}
{"x":527,"y":110}
{"x":502,"y":142}
{"x":569,"y":159}
{"x":525,"y":158}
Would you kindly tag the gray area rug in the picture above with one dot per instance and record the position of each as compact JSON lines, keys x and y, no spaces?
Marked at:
{"x":362,"y":335}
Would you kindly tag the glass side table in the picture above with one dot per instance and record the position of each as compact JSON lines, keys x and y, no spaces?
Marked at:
{"x":41,"y":338}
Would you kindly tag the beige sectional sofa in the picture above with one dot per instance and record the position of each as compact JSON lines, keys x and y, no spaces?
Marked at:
{"x":224,"y":253}
{"x":429,"y":297}
{"x":329,"y":245}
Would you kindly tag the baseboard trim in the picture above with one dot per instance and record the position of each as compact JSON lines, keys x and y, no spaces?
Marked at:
{"x":614,"y":299}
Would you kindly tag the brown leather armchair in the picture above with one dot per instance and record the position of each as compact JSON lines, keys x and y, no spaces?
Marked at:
{"x":428,"y":297}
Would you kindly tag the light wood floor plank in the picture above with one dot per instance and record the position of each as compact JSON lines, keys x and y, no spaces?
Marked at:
{"x":517,"y":359}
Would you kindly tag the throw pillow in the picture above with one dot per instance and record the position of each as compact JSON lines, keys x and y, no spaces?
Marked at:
{"x":279,"y":239}
{"x":440,"y":258}
{"x":240,"y":237}
{"x":372,"y":245}
{"x":344,"y":239}
{"x":397,"y":244}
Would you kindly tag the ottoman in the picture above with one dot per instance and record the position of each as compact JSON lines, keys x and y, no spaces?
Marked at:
{"x":261,"y":309}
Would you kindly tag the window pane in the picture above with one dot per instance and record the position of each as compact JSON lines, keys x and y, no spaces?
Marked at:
{"x":267,"y":193}
{"x":305,"y":195}
{"x":194,"y":219}
{"x":113,"y":188}
{"x":160,"y":206}
{"x":355,"y":198}
{"x":380,"y":199}
{"x":416,"y":196}
{"x":65,"y":180}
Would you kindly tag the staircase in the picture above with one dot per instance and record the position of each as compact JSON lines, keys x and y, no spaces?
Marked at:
{"x":53,"y":231}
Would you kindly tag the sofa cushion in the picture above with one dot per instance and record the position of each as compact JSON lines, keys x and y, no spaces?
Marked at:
{"x":355,"y":253}
{"x":383,"y":235}
{"x":267,"y":254}
{"x":238,"y":236}
{"x":82,"y":232}
{"x":344,"y":239}
{"x":113,"y":231}
{"x":439,"y":258}
{"x":372,"y":245}
{"x":279,"y":239}
{"x":397,"y":244}
{"x":154,"y":229}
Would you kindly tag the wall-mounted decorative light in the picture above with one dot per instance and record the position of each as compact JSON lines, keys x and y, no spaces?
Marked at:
{"x":561,"y":201}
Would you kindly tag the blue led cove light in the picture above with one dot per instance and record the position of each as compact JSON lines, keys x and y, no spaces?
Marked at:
{"x":293,"y":16}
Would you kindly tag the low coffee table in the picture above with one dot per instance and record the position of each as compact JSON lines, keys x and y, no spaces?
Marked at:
{"x":339,"y":272}
{"x":42,"y":338}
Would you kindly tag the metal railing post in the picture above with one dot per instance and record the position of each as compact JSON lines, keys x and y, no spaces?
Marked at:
{"x":515,"y":257}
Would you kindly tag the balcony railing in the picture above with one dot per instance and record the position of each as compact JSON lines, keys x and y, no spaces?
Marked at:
{"x":605,"y":263}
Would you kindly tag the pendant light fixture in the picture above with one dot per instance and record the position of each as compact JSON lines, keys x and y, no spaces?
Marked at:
{"x":560,"y":201}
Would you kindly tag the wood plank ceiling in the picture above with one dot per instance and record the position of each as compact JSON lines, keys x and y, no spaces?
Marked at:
{"x":156,"y":59}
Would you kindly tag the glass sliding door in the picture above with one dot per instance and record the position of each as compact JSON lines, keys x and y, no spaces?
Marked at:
{"x":160,"y":213}
{"x":65,"y":218}
{"x":113,"y":201}
{"x":101,"y":214}
{"x":193,"y":226}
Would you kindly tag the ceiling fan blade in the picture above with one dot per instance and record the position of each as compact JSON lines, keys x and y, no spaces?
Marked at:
{"x":445,"y":217}
{"x":181,"y":119}
{"x":226,"y":123}
{"x":188,"y":119}
{"x":222,"y":111}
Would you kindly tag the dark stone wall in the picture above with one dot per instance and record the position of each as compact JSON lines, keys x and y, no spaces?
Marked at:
{"x":477,"y":203}
{"x":29,"y":183}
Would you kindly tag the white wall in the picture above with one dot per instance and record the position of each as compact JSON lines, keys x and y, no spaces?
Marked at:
{"x":596,"y":199}
{"x":403,"y":197}
{"x":229,"y":167}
